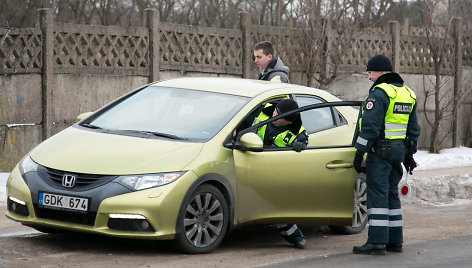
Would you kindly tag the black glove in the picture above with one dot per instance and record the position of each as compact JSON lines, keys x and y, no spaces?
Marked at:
{"x":298,"y":146}
{"x":358,"y":158}
{"x":409,"y":163}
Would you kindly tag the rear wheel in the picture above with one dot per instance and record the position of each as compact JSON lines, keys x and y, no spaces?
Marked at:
{"x":202,"y":221}
{"x":359,"y":217}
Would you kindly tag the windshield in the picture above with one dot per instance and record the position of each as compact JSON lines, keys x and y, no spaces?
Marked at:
{"x":171,"y":113}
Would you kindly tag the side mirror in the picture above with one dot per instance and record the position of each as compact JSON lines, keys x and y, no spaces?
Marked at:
{"x":251,"y":142}
{"x":83,"y":116}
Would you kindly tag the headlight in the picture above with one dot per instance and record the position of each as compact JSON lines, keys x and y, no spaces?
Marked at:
{"x":141,"y":182}
{"x":28,"y":165}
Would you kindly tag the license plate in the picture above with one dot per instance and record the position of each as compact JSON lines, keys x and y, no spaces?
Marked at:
{"x":63,"y":201}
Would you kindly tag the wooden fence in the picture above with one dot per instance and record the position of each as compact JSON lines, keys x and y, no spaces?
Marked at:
{"x":167,"y":46}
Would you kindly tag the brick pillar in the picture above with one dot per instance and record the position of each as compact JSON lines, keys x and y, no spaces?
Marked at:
{"x":245,"y":26}
{"x":47,"y":70}
{"x":395,"y":32}
{"x":152,"y":22}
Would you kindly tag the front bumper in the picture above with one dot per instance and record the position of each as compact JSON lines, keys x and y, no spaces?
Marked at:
{"x":146,"y":214}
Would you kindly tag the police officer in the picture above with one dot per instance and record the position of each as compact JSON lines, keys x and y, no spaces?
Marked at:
{"x":287,"y":131}
{"x":389,"y":132}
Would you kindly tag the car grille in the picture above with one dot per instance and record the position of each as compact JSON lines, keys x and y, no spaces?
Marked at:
{"x":66,"y":216}
{"x":83,"y":181}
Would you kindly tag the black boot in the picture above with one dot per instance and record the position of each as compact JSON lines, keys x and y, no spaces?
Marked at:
{"x":369,"y":248}
{"x":296,"y":238}
{"x":394,"y":247}
{"x":301,"y":243}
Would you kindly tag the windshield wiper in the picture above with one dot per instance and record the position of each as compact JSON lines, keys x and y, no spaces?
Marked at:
{"x":90,"y":126}
{"x":165,"y":135}
{"x":153,"y":133}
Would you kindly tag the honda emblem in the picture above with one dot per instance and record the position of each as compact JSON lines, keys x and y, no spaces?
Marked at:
{"x":68,"y":180}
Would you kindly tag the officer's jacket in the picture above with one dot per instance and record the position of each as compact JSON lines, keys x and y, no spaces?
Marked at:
{"x":388,"y":113}
{"x":279,"y":136}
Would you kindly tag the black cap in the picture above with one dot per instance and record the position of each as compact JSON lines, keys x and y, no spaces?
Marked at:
{"x":288,"y":105}
{"x":379,"y":63}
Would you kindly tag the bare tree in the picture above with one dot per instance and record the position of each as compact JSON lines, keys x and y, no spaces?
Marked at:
{"x":20,"y":13}
{"x":438,"y":16}
{"x":216,"y":13}
{"x":326,"y":27}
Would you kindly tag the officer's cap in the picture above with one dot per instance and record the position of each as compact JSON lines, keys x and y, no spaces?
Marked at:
{"x":288,"y":105}
{"x":379,"y":63}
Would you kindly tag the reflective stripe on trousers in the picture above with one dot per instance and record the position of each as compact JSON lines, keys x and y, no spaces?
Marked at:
{"x":392,"y":214}
{"x":287,"y":229}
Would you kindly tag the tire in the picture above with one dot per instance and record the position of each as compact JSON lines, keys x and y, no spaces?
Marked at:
{"x":203,"y":221}
{"x":359,"y":217}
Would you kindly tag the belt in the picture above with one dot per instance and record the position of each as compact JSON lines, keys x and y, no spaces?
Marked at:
{"x":397,"y":142}
{"x":391,"y":142}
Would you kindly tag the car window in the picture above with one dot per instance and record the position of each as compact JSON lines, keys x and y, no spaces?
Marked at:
{"x":316,"y":119}
{"x":249,"y":119}
{"x":188,"y":114}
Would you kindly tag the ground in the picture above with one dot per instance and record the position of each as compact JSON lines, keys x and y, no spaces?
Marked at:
{"x":252,"y":246}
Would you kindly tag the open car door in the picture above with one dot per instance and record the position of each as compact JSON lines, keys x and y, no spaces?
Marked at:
{"x":316,"y":185}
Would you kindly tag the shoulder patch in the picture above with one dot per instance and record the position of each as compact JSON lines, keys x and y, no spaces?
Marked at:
{"x":369,"y":105}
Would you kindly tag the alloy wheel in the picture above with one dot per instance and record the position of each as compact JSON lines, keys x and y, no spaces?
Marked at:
{"x":204,"y":219}
{"x":360,"y":202}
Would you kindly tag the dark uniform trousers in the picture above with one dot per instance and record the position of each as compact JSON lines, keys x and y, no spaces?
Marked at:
{"x":383,"y":203}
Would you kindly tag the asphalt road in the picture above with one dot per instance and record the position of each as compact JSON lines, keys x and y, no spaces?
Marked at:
{"x":452,"y":253}
{"x":437,"y":235}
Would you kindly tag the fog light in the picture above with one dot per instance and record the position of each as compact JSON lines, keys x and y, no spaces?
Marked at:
{"x":144,"y":225}
{"x":129,"y":222}
{"x":17,"y":206}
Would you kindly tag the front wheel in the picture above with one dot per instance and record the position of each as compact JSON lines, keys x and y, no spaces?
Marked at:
{"x":202,"y":221}
{"x":359,"y":216}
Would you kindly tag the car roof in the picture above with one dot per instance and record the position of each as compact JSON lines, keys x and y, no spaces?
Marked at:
{"x":234,"y":86}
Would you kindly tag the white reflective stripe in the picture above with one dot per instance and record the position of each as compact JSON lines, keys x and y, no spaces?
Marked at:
{"x":396,"y":223}
{"x":391,"y":134}
{"x":280,"y":225}
{"x":395,"y":212}
{"x":378,"y":211}
{"x":379,"y":223}
{"x":362,"y":141}
{"x":395,"y":126}
{"x":289,"y":231}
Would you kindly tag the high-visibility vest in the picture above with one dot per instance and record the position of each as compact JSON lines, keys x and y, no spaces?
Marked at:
{"x":282,"y":139}
{"x":402,"y":101}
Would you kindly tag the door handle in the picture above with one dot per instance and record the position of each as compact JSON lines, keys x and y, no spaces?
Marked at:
{"x":339,"y":165}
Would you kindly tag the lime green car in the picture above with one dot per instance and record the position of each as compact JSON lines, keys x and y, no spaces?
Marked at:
{"x":171,"y":160}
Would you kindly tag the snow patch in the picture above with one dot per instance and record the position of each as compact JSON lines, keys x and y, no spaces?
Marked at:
{"x":439,"y":190}
{"x":447,"y":158}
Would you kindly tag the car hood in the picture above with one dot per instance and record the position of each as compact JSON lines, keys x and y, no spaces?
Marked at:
{"x":84,"y":151}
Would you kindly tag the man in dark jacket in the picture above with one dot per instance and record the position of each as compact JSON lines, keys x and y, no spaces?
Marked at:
{"x":271,"y":68}
{"x":389,"y":133}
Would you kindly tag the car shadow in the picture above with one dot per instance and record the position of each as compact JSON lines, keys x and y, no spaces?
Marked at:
{"x":255,"y":236}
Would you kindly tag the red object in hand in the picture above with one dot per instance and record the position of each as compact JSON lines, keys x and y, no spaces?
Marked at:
{"x":405,"y":190}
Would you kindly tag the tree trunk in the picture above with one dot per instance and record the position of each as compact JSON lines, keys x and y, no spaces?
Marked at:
{"x":434,"y":144}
